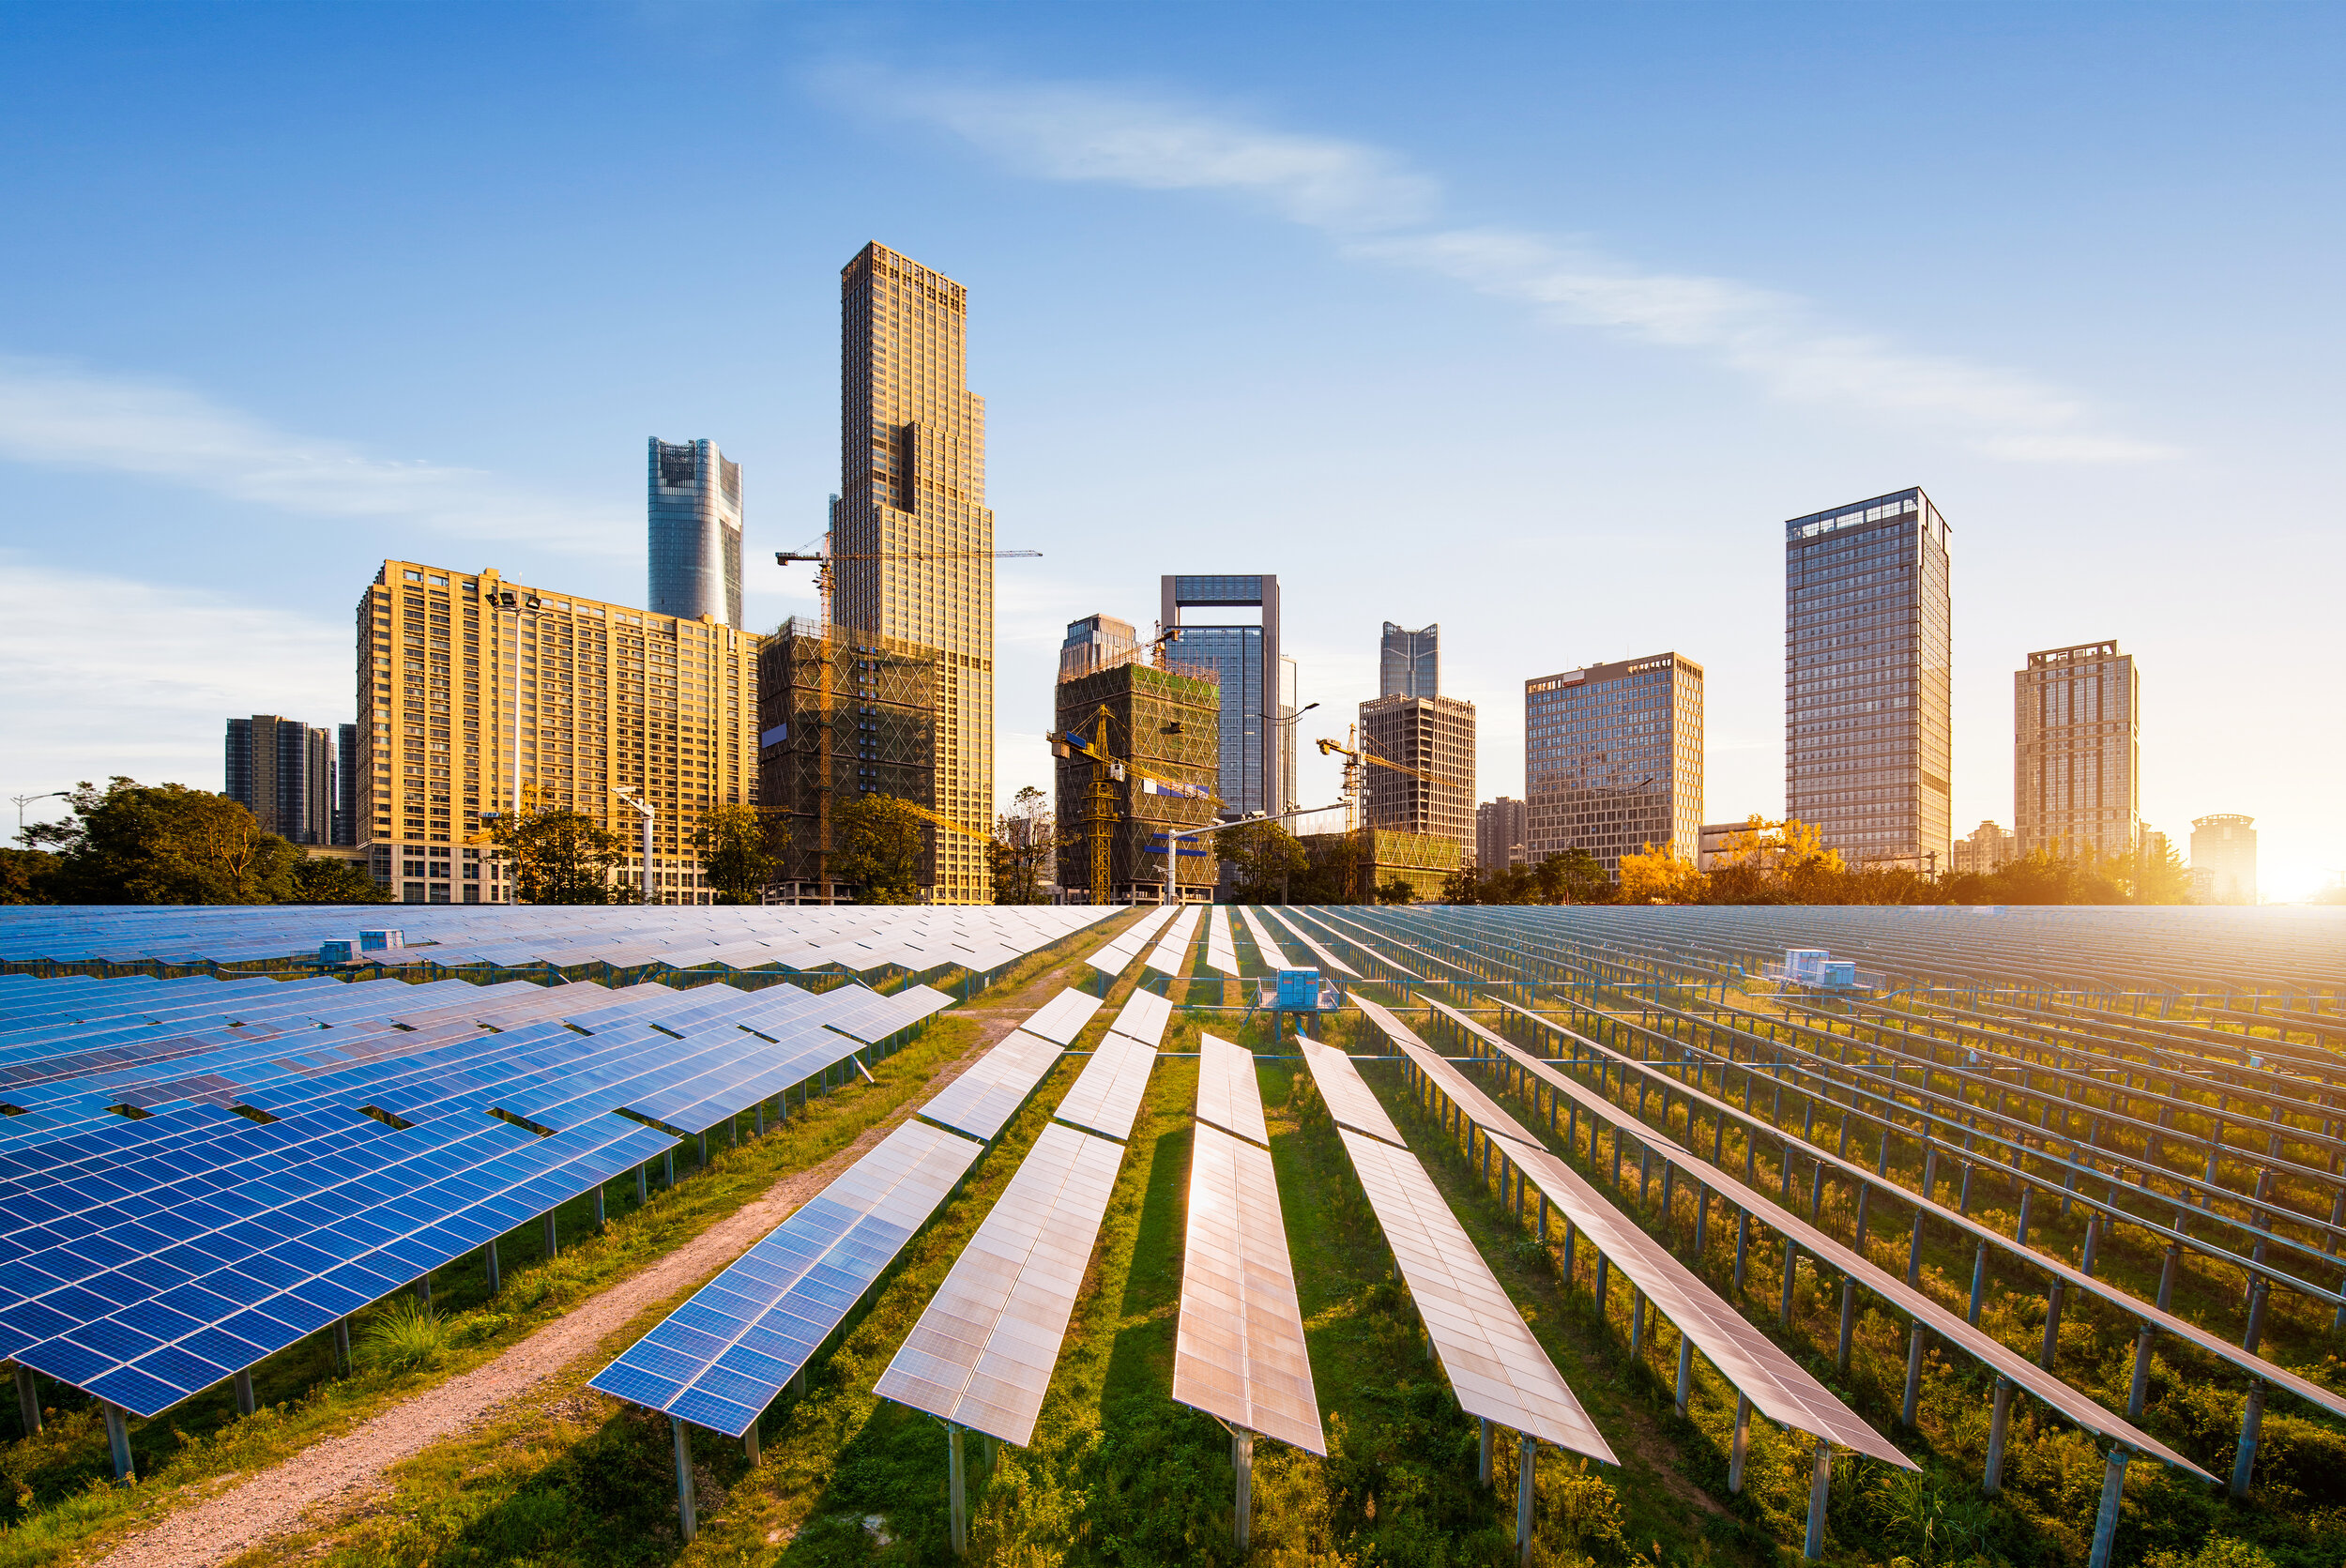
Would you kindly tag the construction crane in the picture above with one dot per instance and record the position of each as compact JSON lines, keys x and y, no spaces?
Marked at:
{"x":1355,"y":755}
{"x":819,"y":552}
{"x":1108,"y":771}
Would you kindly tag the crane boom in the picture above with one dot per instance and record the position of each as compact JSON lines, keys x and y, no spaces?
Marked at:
{"x":822,"y":556}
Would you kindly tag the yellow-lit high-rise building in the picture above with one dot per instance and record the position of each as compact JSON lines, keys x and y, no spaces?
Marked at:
{"x":473,"y":689}
{"x":910,"y":532}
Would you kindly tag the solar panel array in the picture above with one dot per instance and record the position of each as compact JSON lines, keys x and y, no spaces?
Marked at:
{"x":1347,"y":1098}
{"x":858,"y":940}
{"x":990,"y":1090}
{"x":1113,"y":957}
{"x":1167,"y":955}
{"x":1143,"y":1018}
{"x":1265,"y":943}
{"x":1779,"y":1388}
{"x":719,"y":1360}
{"x":1239,"y":1352}
{"x":1328,"y":960}
{"x":1220,"y":955}
{"x":1227,"y":1095}
{"x":1107,"y":1092}
{"x":292,"y":1151}
{"x":982,"y":1354}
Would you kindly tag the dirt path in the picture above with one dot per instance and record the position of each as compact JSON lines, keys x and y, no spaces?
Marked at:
{"x":274,"y":1501}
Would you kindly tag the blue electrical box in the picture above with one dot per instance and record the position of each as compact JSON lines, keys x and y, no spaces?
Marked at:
{"x":1299,"y":990}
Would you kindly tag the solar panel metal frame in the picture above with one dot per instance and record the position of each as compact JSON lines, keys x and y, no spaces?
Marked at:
{"x":982,"y":1353}
{"x":1239,"y":1352}
{"x":1229,"y":1095}
{"x":1106,"y":1094}
{"x":1346,"y":1096}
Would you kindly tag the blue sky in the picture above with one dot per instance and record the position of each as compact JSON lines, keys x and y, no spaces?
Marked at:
{"x":1535,"y":322}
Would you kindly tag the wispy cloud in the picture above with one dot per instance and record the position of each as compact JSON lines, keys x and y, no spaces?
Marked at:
{"x":1383,"y":209}
{"x":61,"y":416}
{"x":107,"y":675}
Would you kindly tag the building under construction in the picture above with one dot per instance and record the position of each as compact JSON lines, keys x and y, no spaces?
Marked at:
{"x":1433,"y":737}
{"x":1368,"y":859}
{"x":840,"y":716}
{"x":1160,"y":720}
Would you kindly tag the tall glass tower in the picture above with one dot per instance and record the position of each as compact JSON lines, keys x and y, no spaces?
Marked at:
{"x":912,"y":505}
{"x":1867,"y":747}
{"x":1410,"y":662}
{"x":1243,"y":652}
{"x":695,"y":545}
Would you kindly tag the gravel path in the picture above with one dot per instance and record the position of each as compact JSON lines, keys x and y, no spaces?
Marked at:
{"x":327,"y":1473}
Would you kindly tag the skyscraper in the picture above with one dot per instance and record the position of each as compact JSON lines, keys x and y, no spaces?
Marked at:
{"x":346,"y":786}
{"x":1612,"y":759}
{"x":1867,"y":752}
{"x":1096,"y":643}
{"x":696,"y":542}
{"x":1432,"y":735}
{"x":1498,"y":841}
{"x":2077,"y":751}
{"x":912,"y":503}
{"x":473,"y":688}
{"x":1410,"y":662}
{"x":1243,"y":653}
{"x":282,"y":772}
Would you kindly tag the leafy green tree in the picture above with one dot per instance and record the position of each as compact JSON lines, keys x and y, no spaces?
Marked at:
{"x":880,"y":842}
{"x":1572,"y":877}
{"x":326,"y":879}
{"x":161,"y":844}
{"x":1025,"y":844}
{"x":1397,"y":890}
{"x":1264,"y":861}
{"x":24,"y":875}
{"x":741,"y":850}
{"x":558,"y":855}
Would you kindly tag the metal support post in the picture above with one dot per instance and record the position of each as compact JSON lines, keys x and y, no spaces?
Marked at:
{"x":1791,"y":1277}
{"x":1685,"y":1373}
{"x":118,"y":1441}
{"x":1742,"y":1444}
{"x":341,"y":1345}
{"x":1819,"y":1495}
{"x":424,"y":1290}
{"x":2244,"y":1457}
{"x":2106,"y":1521}
{"x":1702,"y":1221}
{"x":1913,"y":1374}
{"x":1243,"y":1461}
{"x":960,"y":1492}
{"x":1637,"y":1323}
{"x":1979,"y":1284}
{"x":688,"y":1519}
{"x":667,"y":1170}
{"x":1914,"y":1253}
{"x":1849,"y":1319}
{"x":2092,"y":1245}
{"x":2020,"y":1231}
{"x":27,"y":1399}
{"x":244,"y":1393}
{"x":1527,"y":1471}
{"x":1482,"y":1462}
{"x":2052,"y":1325}
{"x":600,"y":1221}
{"x":1992,"y":1482}
{"x":1857,"y":1232}
{"x":642,"y":1194}
{"x":1742,"y":1244}
{"x":748,"y":1444}
{"x":550,"y":1236}
{"x":2257,"y":1292}
{"x":489,"y":1266}
{"x":2142,"y":1372}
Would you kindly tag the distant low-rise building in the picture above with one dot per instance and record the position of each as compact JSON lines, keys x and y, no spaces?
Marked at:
{"x":1984,"y":850}
{"x":1498,"y":841}
{"x":1715,"y":840}
{"x":2224,"y":858}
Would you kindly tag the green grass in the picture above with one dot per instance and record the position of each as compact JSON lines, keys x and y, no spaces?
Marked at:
{"x":57,"y":1499}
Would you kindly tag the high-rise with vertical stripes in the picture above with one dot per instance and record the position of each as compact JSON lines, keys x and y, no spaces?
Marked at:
{"x":1867,"y":742}
{"x":911,"y":533}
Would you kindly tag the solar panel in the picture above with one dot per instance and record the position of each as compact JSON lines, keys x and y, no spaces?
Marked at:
{"x":1495,"y":1368}
{"x":2076,"y":1407}
{"x":1220,"y":955}
{"x":1120,"y":953}
{"x":1265,"y":943}
{"x":1063,"y":1017}
{"x":1239,"y":1350}
{"x":982,"y":1354}
{"x":1107,"y":1092}
{"x":1144,"y":1017}
{"x":1228,"y":1093}
{"x":1350,"y":937}
{"x":1347,"y":1098}
{"x":993,"y":1087}
{"x":1167,"y":955}
{"x":1328,"y":959}
{"x":1778,"y":1386}
{"x":719,"y":1360}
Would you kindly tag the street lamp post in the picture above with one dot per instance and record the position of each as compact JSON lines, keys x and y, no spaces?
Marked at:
{"x":25,"y":801}
{"x":650,"y":817}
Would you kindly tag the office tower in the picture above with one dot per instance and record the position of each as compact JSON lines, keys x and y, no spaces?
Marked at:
{"x":1866,"y":746}
{"x":282,"y":772}
{"x":1985,"y":849}
{"x":1166,"y":721}
{"x":2077,"y":751}
{"x":695,"y":537}
{"x":912,"y":504}
{"x":346,"y":786}
{"x":2224,"y":858}
{"x":473,"y":689}
{"x":1410,"y":662}
{"x":841,"y":714}
{"x":1429,"y":736}
{"x":1243,"y":654}
{"x":1612,"y":759}
{"x":1289,"y":682}
{"x":1498,"y":841}
{"x":1096,"y":643}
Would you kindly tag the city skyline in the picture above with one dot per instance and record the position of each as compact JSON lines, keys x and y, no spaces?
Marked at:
{"x":2026,"y":376}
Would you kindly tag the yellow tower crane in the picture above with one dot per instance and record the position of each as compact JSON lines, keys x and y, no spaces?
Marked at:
{"x":820,"y":553}
{"x":1355,"y":756}
{"x":1108,"y":771}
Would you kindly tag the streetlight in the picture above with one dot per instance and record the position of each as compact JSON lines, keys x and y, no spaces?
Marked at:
{"x":25,"y":801}
{"x":650,"y":817}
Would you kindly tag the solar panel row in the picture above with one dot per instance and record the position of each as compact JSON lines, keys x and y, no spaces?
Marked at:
{"x":1220,"y":955}
{"x":1265,"y":943}
{"x":1113,"y":957}
{"x":1227,"y":1095}
{"x":1167,"y":955}
{"x":1107,"y":1092}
